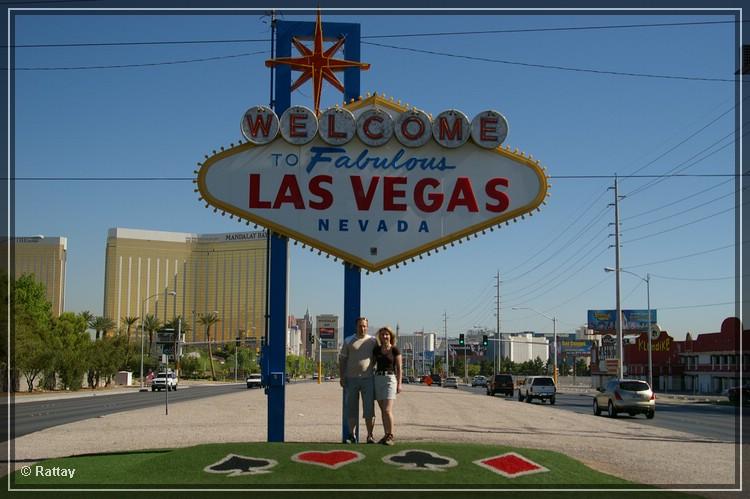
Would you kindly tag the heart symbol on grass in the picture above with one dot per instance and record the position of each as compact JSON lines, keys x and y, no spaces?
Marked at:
{"x":332,"y":459}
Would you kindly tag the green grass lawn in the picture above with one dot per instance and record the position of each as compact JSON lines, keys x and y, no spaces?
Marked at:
{"x":184,"y":468}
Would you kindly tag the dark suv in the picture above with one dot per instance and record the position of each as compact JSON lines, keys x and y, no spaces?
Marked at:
{"x":501,"y":383}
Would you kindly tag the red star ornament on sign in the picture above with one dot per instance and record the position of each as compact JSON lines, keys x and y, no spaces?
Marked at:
{"x":317,"y":64}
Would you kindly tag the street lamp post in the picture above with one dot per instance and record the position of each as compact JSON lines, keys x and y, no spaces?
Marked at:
{"x":647,"y":280}
{"x":143,"y":306}
{"x":554,"y":335}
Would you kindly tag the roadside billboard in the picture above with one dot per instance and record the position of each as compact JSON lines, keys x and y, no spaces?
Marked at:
{"x":603,"y":321}
{"x":327,"y":326}
{"x":326,"y":333}
{"x":576,"y":347}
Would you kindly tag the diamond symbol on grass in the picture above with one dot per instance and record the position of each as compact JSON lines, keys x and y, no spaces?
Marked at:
{"x":511,"y":465}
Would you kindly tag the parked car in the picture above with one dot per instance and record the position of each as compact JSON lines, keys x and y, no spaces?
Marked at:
{"x":501,"y":383}
{"x":734,"y":394}
{"x":164,"y":380}
{"x":451,"y":382}
{"x":537,"y":387}
{"x":479,"y":381}
{"x":253,"y":380}
{"x":632,"y":396}
{"x":436,"y":379}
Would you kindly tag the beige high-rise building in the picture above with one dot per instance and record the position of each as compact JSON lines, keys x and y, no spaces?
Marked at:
{"x":223,"y":273}
{"x":45,"y":258}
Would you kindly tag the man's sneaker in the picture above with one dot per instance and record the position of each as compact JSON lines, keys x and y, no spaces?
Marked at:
{"x":388,"y":439}
{"x":350,"y":440}
{"x":370,"y":440}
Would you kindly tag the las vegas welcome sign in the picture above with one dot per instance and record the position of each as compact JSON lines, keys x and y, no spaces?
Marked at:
{"x":373,"y":182}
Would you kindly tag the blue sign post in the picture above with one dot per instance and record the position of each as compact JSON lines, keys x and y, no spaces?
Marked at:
{"x":276,"y":347}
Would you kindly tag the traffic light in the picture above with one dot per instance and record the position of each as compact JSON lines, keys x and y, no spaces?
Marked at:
{"x":461,"y":340}
{"x":237,"y":341}
{"x":485,"y":341}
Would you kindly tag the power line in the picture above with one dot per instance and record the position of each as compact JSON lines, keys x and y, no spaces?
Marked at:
{"x":549,"y":66}
{"x":599,"y":283}
{"x":559,"y":235}
{"x":141,"y":65}
{"x":677,"y":168}
{"x":563,"y":281}
{"x":545,"y":277}
{"x":372,"y":37}
{"x":664,"y":231}
{"x":130,"y":179}
{"x":680,"y":213}
{"x":700,"y":306}
{"x":688,"y":137}
{"x":689,"y":255}
{"x":697,"y":278}
{"x":688,"y":197}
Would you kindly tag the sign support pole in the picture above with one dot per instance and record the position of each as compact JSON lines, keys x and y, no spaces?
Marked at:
{"x":352,"y":307}
{"x":279,"y":246}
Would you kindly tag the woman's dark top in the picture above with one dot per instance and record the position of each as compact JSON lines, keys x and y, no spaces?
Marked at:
{"x":386,"y":361}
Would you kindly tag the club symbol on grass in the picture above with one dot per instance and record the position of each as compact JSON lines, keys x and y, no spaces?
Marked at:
{"x":236,"y":465}
{"x":415,"y":459}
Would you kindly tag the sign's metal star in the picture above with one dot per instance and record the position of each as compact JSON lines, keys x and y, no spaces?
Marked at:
{"x":317,"y":64}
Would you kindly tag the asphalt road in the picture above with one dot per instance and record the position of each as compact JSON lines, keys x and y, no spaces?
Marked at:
{"x":718,"y":422}
{"x":29,"y":417}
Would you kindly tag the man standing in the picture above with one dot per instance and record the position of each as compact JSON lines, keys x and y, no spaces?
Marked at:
{"x":355,"y":369}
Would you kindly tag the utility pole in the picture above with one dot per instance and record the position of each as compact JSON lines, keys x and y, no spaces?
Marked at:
{"x":618,"y":312}
{"x":445,"y":330}
{"x":496,"y":346}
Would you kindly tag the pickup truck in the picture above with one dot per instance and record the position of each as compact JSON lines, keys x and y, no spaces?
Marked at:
{"x":162,"y":381}
{"x":537,"y":387}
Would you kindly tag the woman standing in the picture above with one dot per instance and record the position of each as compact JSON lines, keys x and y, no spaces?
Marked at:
{"x":387,"y":378}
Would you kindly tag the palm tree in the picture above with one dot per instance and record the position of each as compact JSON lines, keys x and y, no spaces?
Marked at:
{"x":151,"y":323}
{"x":209,"y":320}
{"x":184,"y":326}
{"x":101,"y":324}
{"x":129,"y":321}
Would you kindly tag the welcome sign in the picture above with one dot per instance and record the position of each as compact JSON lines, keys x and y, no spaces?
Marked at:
{"x":373,"y":182}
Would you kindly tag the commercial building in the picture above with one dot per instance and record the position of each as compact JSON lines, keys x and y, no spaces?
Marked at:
{"x":211,"y":273}
{"x":305,"y":327}
{"x":45,"y":258}
{"x":710,"y":363}
{"x":522,"y":347}
{"x":418,"y":351}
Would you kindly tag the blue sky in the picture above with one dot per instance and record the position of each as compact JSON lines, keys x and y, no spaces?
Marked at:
{"x":159,"y":121}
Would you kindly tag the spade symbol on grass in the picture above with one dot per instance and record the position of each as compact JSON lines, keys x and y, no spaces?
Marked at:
{"x":414,"y":459}
{"x":236,"y":465}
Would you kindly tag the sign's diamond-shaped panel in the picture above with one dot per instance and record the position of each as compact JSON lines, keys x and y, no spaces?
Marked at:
{"x":372,"y":206}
